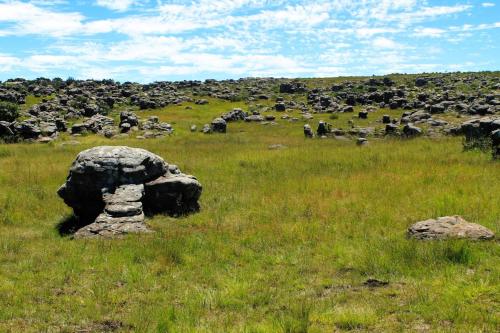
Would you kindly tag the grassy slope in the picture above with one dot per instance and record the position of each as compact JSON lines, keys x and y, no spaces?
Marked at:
{"x":284,"y":241}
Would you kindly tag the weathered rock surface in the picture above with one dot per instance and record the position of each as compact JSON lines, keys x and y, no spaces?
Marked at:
{"x":122,"y":214}
{"x":449,"y":227}
{"x":109,"y":186}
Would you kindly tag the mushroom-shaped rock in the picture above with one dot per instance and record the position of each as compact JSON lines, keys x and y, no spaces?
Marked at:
{"x":449,"y":227}
{"x":109,"y":185}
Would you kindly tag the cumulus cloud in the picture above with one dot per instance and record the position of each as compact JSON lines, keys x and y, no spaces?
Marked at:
{"x":8,"y":62}
{"x":26,"y":18}
{"x":429,"y":32}
{"x":119,"y":5}
{"x":228,"y":37}
{"x":384,"y":43}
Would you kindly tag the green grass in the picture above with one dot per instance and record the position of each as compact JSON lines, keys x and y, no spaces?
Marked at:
{"x":283,"y":243}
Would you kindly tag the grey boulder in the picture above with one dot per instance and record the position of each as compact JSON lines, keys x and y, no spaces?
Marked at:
{"x":449,"y":227}
{"x":116,"y":184}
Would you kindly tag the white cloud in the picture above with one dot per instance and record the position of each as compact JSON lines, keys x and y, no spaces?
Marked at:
{"x":385,"y":43}
{"x":420,"y":14}
{"x":470,"y":27}
{"x":119,"y":5}
{"x":488,"y":4}
{"x":230,"y":37}
{"x":30,"y":19}
{"x":369,"y":32}
{"x":429,"y":32}
{"x":174,"y":18}
{"x":437,"y":32}
{"x":8,"y":62}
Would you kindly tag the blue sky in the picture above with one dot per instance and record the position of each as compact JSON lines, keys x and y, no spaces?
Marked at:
{"x":143,"y":41}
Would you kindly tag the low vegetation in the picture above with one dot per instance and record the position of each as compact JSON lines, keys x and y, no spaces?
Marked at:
{"x":8,"y":111}
{"x":284,"y":242}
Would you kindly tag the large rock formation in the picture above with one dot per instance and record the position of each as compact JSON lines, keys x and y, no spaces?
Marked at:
{"x":111,"y":187}
{"x":449,"y":227}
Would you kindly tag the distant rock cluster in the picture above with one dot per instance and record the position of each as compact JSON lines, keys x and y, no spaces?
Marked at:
{"x":80,"y":107}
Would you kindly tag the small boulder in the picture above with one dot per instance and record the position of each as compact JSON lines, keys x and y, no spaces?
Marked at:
{"x":280,"y":107}
{"x":449,"y":227}
{"x":362,"y":141}
{"x":201,"y":102}
{"x":308,"y":132}
{"x":363,"y":115}
{"x":391,"y":128}
{"x":323,"y":128}
{"x":410,"y":130}
{"x":234,"y":115}
{"x":254,"y":118}
{"x":219,"y":125}
{"x":207,"y":129}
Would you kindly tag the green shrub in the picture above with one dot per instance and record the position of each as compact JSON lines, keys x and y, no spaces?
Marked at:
{"x":8,"y":111}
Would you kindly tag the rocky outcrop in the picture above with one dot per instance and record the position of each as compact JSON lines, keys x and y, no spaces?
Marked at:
{"x":109,"y":186}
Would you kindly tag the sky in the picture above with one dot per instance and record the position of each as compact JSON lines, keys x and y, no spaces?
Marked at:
{"x":153,"y":40}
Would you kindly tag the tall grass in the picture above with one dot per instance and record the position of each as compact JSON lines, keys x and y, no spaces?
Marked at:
{"x":283,"y":242}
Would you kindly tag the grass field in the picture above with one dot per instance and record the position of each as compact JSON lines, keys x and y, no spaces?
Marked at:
{"x":284,"y":241}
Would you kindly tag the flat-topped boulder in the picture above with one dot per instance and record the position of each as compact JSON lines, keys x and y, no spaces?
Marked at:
{"x":449,"y":227}
{"x":108,"y":187}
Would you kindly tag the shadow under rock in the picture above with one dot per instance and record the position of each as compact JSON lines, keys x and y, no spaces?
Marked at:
{"x":69,"y":224}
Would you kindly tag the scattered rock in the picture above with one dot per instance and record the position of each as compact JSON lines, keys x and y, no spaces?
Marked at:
{"x":293,"y":87}
{"x":362,"y":141}
{"x":207,"y":129}
{"x":410,"y":130}
{"x":449,"y":227}
{"x":308,"y":132}
{"x":276,"y":146}
{"x":218,"y":125}
{"x":280,"y":107}
{"x":153,"y":124}
{"x":323,"y":128}
{"x":254,"y":118}
{"x":374,"y":283}
{"x":234,"y":115}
